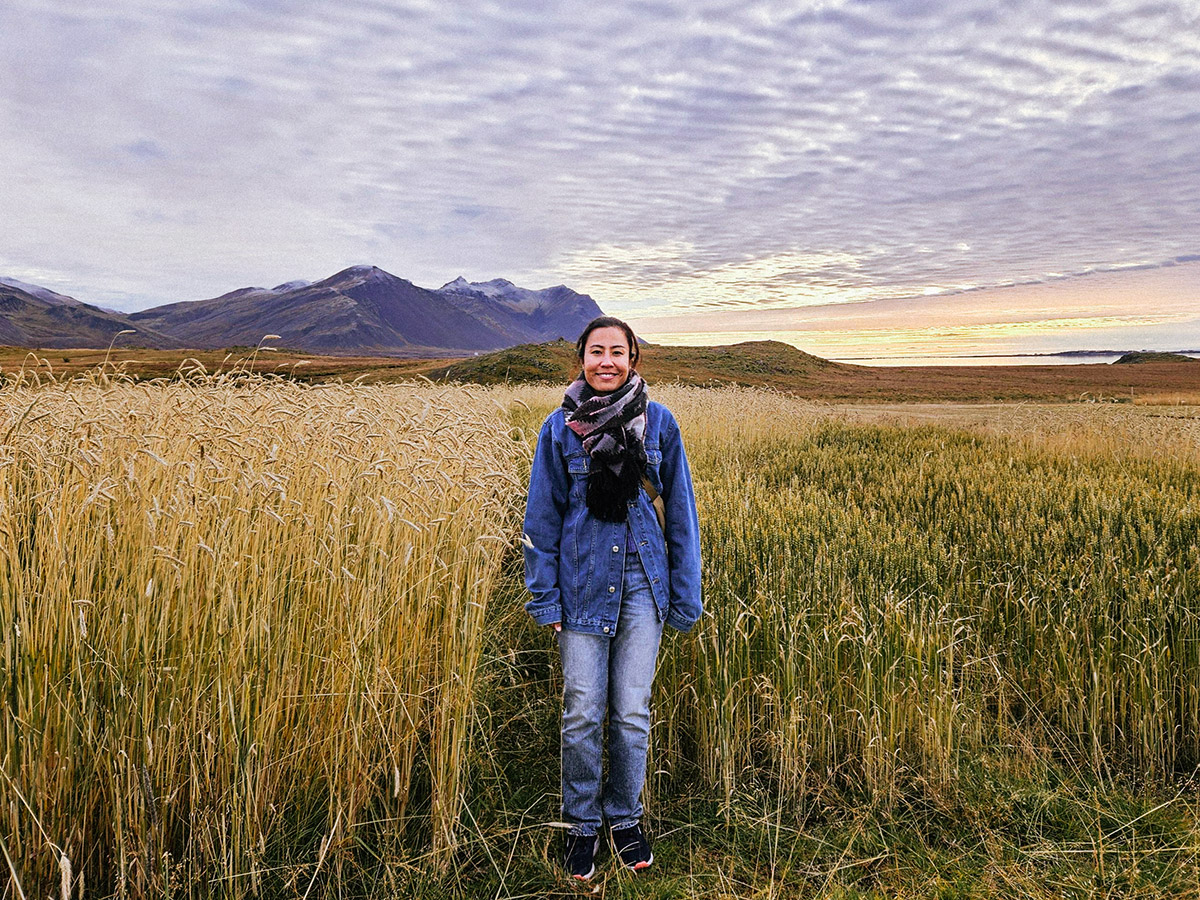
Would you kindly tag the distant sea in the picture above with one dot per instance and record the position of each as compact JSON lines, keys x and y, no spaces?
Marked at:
{"x":1077,"y":358}
{"x":842,"y":348}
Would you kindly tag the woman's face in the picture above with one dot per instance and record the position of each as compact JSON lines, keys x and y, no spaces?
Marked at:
{"x":606,"y":363}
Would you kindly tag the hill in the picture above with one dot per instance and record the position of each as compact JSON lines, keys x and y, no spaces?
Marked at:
{"x":757,"y":363}
{"x":1139,"y":357}
{"x":552,"y":361}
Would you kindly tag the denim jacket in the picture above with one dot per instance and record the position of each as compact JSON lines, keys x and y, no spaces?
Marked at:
{"x":574,"y":562}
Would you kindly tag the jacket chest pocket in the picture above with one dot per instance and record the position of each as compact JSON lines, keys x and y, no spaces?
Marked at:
{"x":577,"y":472}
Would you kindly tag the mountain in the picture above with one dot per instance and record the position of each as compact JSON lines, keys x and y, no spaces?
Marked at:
{"x":529,"y":316}
{"x":40,"y":293}
{"x":362,"y":310}
{"x":365,"y":310}
{"x":31,"y":316}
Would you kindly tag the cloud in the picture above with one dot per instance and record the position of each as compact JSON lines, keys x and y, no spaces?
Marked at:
{"x":667,"y":156}
{"x":145,"y":150}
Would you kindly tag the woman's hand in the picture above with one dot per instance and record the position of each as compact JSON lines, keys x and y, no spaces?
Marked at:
{"x":557,"y":626}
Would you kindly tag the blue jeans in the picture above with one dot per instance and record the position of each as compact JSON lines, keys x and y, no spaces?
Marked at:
{"x":614,"y":674}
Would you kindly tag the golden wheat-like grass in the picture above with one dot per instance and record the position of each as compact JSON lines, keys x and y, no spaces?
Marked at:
{"x":241,"y":621}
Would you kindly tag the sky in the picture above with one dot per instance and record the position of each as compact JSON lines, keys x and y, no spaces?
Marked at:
{"x":860,"y":177}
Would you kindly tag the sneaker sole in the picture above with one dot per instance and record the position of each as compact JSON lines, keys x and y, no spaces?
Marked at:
{"x":641,"y":866}
{"x":592,"y":870}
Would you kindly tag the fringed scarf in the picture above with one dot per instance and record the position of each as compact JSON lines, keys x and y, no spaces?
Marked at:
{"x":613,"y":427}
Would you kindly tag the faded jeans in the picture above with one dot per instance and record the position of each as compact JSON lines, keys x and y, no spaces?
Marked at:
{"x":614,"y":674}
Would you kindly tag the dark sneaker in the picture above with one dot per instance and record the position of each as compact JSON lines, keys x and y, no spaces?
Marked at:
{"x":632,"y":847}
{"x":580,"y":855}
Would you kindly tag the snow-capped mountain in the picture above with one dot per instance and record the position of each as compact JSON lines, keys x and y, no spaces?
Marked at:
{"x":546,"y":314}
{"x":500,"y":290}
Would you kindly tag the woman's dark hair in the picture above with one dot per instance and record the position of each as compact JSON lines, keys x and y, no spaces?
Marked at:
{"x":609,"y":322}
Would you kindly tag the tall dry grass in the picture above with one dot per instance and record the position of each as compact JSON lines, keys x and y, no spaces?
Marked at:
{"x":244,"y":622}
{"x":240,"y":626}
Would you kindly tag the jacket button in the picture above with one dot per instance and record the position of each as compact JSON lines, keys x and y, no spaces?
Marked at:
{"x":616,"y":549}
{"x":606,"y":629}
{"x":611,"y":589}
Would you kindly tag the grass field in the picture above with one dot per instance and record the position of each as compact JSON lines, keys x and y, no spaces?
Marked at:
{"x":265,"y":639}
{"x":768,"y":364}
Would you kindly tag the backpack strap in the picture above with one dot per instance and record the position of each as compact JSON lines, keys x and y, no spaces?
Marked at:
{"x":660,"y":508}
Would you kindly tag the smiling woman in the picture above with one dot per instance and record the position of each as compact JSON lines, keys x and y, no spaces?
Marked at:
{"x":608,"y":354}
{"x":603,"y":458}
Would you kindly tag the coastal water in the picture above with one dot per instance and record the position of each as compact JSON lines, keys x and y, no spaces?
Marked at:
{"x":1016,"y":359}
{"x":872,"y":349}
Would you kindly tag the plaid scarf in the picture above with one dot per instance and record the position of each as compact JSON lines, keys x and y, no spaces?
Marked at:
{"x":612,"y":427}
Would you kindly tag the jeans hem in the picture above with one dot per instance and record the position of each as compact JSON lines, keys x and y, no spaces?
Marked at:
{"x":623,"y":824}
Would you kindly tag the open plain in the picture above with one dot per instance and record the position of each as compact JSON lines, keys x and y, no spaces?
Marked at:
{"x":768,"y":364}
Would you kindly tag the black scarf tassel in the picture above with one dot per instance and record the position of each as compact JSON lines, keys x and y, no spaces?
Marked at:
{"x":608,"y":493}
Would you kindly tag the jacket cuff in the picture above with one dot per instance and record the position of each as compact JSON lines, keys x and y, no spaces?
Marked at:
{"x":679,"y":623}
{"x":546,"y":615}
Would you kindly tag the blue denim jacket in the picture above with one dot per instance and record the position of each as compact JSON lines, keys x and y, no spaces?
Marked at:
{"x":574,"y":562}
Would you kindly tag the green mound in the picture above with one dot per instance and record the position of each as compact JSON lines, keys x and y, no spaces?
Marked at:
{"x":552,"y":361}
{"x":752,"y":358}
{"x":1148,"y":356}
{"x":753,"y":362}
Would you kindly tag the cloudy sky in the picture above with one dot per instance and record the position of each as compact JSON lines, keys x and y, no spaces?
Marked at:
{"x":734,"y":168}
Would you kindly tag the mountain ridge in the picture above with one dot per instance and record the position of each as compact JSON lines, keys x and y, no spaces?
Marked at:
{"x":365,"y":309}
{"x":359,"y":310}
{"x":31,"y":316}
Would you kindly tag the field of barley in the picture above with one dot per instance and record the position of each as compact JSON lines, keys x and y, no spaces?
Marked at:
{"x":265,"y":639}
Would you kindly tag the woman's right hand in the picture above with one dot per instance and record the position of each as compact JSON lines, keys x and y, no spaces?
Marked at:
{"x":557,"y":626}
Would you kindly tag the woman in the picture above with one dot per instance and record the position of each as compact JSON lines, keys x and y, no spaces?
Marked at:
{"x":606,"y":577}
